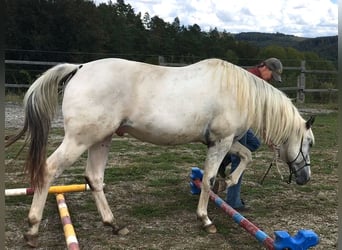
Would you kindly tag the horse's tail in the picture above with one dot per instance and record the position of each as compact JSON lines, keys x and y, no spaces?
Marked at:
{"x":40,"y":106}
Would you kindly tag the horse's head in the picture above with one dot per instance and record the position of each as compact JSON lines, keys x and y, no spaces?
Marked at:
{"x":296,"y":153}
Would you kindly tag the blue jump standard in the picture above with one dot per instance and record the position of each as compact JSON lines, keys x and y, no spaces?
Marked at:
{"x":303,"y":240}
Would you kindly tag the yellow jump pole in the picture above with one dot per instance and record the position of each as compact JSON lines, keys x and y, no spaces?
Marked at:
{"x":52,"y":189}
{"x":69,"y":232}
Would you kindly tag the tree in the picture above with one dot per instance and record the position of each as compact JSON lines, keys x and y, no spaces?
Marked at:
{"x":247,"y":53}
{"x":272,"y":51}
{"x":78,"y":30}
{"x":231,"y":56}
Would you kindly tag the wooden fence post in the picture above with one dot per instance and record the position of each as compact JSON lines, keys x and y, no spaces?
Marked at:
{"x":301,"y":84}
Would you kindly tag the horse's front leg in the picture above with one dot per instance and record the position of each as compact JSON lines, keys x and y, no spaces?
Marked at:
{"x":245,"y":160}
{"x":215,"y":155}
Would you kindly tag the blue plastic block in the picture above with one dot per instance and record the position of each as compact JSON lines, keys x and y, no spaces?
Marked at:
{"x":303,"y":240}
{"x":196,"y":173}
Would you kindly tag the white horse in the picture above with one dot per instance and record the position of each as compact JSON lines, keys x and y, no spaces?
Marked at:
{"x":212,"y":102}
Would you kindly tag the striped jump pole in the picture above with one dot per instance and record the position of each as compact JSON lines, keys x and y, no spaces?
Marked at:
{"x":68,"y":228}
{"x":52,"y":190}
{"x":302,"y":241}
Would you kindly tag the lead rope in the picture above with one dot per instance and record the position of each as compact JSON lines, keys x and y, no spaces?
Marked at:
{"x":268,"y":170}
{"x":274,"y":162}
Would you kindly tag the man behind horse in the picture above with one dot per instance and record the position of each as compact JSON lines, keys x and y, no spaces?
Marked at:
{"x":268,"y":70}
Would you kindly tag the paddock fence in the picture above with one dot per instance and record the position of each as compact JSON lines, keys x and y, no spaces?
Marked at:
{"x":298,"y":88}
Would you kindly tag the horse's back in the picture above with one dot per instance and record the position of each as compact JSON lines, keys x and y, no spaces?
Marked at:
{"x":106,"y":81}
{"x":154,"y":103}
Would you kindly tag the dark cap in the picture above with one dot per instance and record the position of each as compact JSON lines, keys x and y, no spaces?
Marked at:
{"x":276,"y":67}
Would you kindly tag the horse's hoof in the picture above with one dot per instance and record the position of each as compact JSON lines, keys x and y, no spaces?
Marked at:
{"x":229,"y":183}
{"x":123,"y":231}
{"x":220,"y":186}
{"x":216,"y":187}
{"x":31,"y":240}
{"x":211,"y":228}
{"x":120,"y":231}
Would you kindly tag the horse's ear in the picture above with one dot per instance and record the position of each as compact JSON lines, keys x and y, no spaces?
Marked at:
{"x":310,"y":122}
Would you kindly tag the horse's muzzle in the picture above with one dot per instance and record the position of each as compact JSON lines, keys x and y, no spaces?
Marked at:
{"x":302,"y":174}
{"x":302,"y":180}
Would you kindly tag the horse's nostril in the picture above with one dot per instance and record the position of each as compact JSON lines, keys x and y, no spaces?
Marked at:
{"x":300,"y":183}
{"x":301,"y":180}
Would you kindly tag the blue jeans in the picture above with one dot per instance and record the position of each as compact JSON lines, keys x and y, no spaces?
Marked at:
{"x":250,"y":141}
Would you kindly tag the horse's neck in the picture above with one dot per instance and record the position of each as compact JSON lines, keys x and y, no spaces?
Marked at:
{"x":274,"y":116}
{"x":269,"y":112}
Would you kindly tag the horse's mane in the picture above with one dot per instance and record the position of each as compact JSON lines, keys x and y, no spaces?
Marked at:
{"x":270,"y":112}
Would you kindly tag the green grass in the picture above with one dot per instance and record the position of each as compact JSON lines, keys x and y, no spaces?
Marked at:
{"x":147,"y":187}
{"x":165,"y":182}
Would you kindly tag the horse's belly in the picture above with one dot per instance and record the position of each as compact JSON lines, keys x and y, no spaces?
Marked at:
{"x":159,"y":137}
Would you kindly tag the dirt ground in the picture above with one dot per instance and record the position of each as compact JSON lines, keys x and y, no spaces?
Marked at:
{"x":14,"y":115}
{"x":175,"y":231}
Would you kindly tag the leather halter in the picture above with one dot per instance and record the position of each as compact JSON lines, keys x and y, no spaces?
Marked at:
{"x":293,"y":171}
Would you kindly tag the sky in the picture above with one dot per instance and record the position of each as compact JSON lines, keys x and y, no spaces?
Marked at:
{"x":304,"y":18}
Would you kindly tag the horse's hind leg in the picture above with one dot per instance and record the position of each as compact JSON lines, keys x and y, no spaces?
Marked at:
{"x":66,"y":154}
{"x":97,"y":160}
{"x":245,"y":160}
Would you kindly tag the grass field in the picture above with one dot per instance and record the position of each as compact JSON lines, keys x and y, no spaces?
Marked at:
{"x":147,"y":187}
